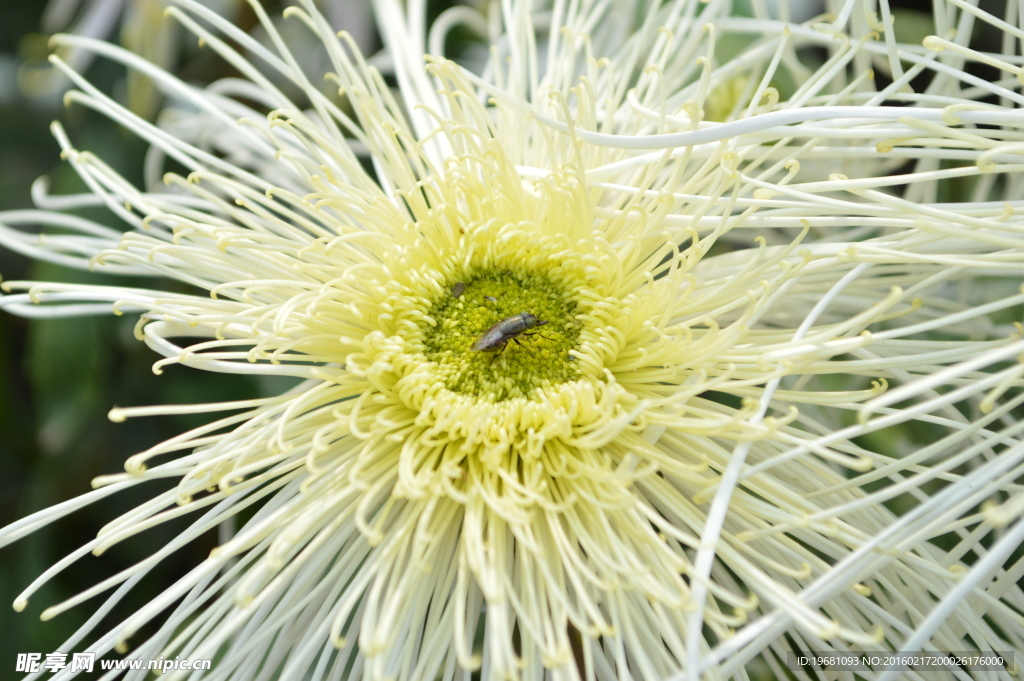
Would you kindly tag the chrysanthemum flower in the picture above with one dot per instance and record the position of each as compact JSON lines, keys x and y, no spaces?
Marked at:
{"x":710,"y":453}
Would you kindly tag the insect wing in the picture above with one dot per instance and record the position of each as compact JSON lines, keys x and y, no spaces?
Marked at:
{"x":505,"y":330}
{"x":492,"y":337}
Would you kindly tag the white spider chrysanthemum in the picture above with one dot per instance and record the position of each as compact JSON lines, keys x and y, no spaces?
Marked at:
{"x":692,"y":463}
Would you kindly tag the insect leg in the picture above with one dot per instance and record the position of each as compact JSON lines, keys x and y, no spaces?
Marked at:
{"x":501,"y":349}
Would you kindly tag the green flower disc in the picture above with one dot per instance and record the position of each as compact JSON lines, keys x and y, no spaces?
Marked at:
{"x":539,"y":360}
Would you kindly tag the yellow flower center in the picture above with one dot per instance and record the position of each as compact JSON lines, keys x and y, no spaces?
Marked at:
{"x":517,"y":358}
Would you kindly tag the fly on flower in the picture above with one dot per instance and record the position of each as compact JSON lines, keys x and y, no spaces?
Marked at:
{"x":498,"y":336}
{"x":782,"y":410}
